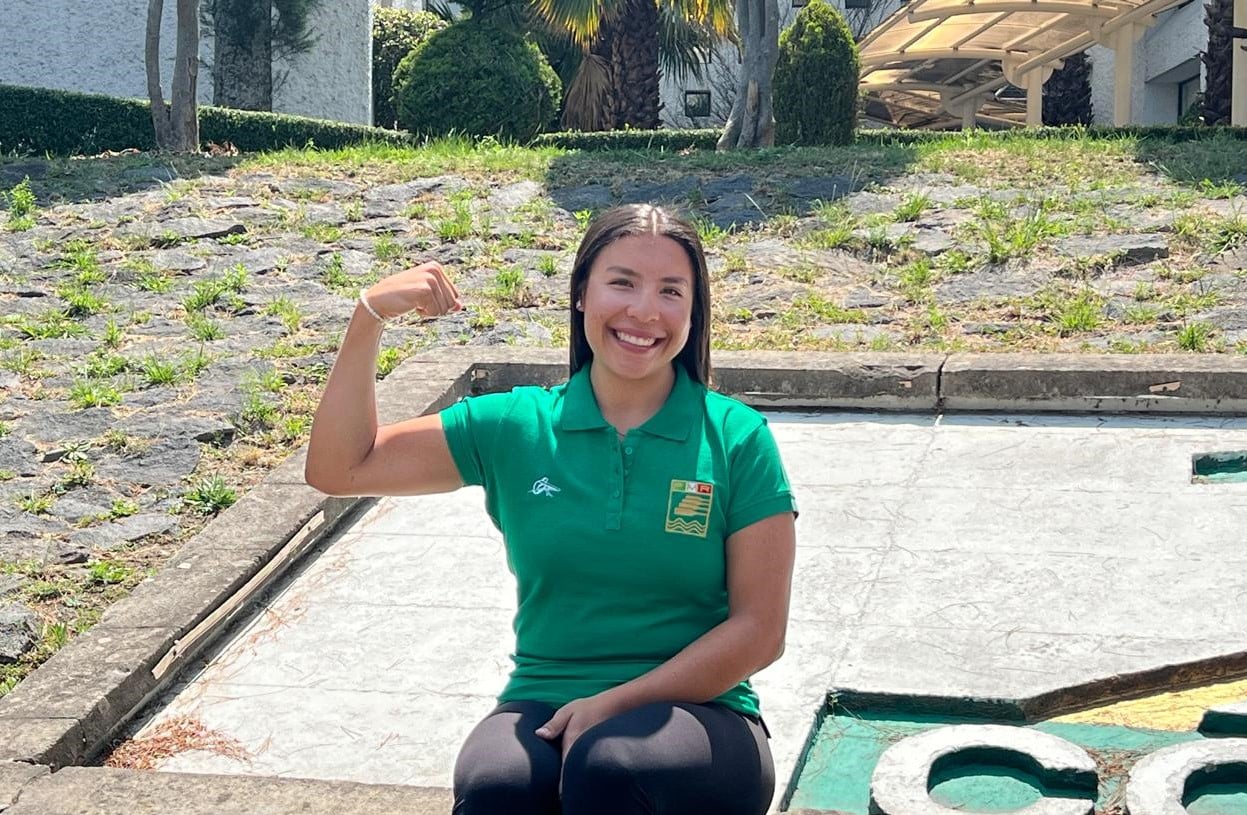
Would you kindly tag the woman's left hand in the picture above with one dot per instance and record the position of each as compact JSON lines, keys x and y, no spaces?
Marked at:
{"x":577,"y":716}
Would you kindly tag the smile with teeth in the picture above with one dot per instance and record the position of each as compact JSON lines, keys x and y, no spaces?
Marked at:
{"x":632,"y":339}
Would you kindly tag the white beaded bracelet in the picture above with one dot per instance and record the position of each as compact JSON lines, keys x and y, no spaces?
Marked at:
{"x":363,"y":301}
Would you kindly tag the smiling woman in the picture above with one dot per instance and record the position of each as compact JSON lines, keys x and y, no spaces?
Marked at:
{"x":647,"y":519}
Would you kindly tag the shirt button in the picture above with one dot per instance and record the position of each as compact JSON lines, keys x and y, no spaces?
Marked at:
{"x":628,"y":450}
{"x":615,"y":494}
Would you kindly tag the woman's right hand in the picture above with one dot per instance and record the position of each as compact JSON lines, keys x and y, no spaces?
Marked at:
{"x":424,"y":289}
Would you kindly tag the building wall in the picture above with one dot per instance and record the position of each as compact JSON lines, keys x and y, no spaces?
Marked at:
{"x":97,"y":47}
{"x":1166,"y":54}
{"x":334,"y":79}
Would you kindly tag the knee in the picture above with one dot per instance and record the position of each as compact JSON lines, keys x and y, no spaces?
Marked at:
{"x":600,"y":768}
{"x":486,"y":790}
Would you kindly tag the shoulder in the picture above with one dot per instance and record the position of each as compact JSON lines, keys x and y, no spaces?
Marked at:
{"x":735,"y":419}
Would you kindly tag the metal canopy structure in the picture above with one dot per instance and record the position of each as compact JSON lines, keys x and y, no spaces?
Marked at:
{"x":943,"y":64}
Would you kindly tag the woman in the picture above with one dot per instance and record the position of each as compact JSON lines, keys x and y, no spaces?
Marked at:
{"x":648,"y":521}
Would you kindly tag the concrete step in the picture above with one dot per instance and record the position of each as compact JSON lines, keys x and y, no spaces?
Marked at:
{"x":105,"y":791}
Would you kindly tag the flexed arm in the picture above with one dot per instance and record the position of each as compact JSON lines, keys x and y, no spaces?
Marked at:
{"x":348,"y":453}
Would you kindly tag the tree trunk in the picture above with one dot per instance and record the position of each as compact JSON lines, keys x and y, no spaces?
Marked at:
{"x":752,"y":120}
{"x":185,"y":113}
{"x":155,"y":93}
{"x":635,"y":72}
{"x":242,"y":62}
{"x":1218,"y":59}
{"x":1067,"y":93}
{"x":176,"y":125}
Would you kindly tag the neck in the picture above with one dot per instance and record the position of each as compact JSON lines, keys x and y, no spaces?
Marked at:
{"x":628,"y":403}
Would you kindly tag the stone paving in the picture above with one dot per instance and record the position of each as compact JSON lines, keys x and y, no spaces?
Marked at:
{"x":221,"y":297}
{"x":975,"y":556}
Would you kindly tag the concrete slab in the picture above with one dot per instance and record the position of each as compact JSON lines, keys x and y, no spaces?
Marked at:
{"x":15,"y":777}
{"x":100,"y":791}
{"x":984,"y":556}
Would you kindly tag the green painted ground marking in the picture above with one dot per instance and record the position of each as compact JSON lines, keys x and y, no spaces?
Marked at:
{"x":1215,"y":468}
{"x":836,"y":774}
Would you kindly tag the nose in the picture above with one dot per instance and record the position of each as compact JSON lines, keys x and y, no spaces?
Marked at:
{"x":643,"y":307}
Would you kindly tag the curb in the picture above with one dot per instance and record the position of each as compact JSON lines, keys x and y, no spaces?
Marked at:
{"x":65,"y":712}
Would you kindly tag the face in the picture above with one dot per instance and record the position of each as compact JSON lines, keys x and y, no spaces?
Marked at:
{"x":637,"y":305}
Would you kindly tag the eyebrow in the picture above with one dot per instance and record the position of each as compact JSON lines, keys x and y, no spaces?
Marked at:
{"x":624,"y":270}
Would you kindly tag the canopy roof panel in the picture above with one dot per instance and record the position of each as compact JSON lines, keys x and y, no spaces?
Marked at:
{"x":930,"y":55}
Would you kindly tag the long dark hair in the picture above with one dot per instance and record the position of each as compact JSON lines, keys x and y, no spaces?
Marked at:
{"x":645,"y":219}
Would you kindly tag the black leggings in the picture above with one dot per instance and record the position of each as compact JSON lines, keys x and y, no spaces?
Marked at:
{"x":660,"y":759}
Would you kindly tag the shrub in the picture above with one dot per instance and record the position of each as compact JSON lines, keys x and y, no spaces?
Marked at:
{"x":477,"y":79}
{"x":816,"y":79}
{"x":395,"y":34}
{"x":38,"y":120}
{"x":673,"y":140}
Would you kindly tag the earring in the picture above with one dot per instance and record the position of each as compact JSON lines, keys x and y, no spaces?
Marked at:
{"x":580,"y":305}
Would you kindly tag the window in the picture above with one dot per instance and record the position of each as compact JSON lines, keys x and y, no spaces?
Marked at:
{"x":696,"y":104}
{"x":862,"y":4}
{"x":799,"y":3}
{"x":1188,"y":94}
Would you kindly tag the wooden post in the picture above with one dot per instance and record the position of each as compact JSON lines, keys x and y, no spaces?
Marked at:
{"x":1034,"y":98}
{"x":1123,"y":74}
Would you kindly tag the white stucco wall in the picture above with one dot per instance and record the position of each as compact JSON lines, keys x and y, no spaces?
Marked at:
{"x":97,"y":47}
{"x":93,"y":47}
{"x":1177,"y":37}
{"x":334,"y":79}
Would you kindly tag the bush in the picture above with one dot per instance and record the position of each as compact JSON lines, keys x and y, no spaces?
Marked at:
{"x":670,"y":140}
{"x":37,"y":120}
{"x":477,"y":79}
{"x":816,"y":79}
{"x":395,"y":34}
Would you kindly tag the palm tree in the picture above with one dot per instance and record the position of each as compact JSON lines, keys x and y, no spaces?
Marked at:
{"x":625,"y":46}
{"x":1067,"y":93}
{"x":1219,"y":16}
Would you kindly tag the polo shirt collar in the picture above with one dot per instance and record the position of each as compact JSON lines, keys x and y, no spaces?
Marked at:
{"x":673,"y":421}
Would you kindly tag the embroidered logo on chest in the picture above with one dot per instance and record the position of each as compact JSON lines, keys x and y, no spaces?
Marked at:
{"x":688,"y":507}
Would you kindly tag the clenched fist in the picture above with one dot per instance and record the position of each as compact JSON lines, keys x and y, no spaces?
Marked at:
{"x":424,"y":289}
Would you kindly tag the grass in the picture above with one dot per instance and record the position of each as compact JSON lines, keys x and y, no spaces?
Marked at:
{"x":50,"y":325}
{"x":1071,"y":312}
{"x":147,"y":277}
{"x":21,"y":205}
{"x":87,"y":393}
{"x":509,"y":288}
{"x":285,"y":309}
{"x":209,"y":496}
{"x":203,"y":328}
{"x":912,"y":207}
{"x":1005,"y":237}
{"x":1196,"y":336}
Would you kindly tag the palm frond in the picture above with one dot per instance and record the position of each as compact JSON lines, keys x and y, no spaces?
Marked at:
{"x":580,"y":18}
{"x":583,"y":107}
{"x":684,"y":45}
{"x":716,"y":15}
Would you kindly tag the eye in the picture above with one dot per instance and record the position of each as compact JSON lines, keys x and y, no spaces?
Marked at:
{"x":673,"y":291}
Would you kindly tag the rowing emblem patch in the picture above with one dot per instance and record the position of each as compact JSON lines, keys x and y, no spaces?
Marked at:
{"x":688,"y":507}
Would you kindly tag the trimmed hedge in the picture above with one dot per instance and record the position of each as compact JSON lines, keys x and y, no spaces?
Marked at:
{"x":396,"y":33}
{"x":39,"y":120}
{"x":479,"y":79}
{"x":816,"y":79}
{"x":671,"y":140}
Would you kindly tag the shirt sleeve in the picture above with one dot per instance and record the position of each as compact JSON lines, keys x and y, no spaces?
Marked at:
{"x":760,"y":486}
{"x":472,"y":427}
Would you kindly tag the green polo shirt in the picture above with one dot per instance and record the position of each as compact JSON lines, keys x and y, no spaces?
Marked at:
{"x":617,"y":546}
